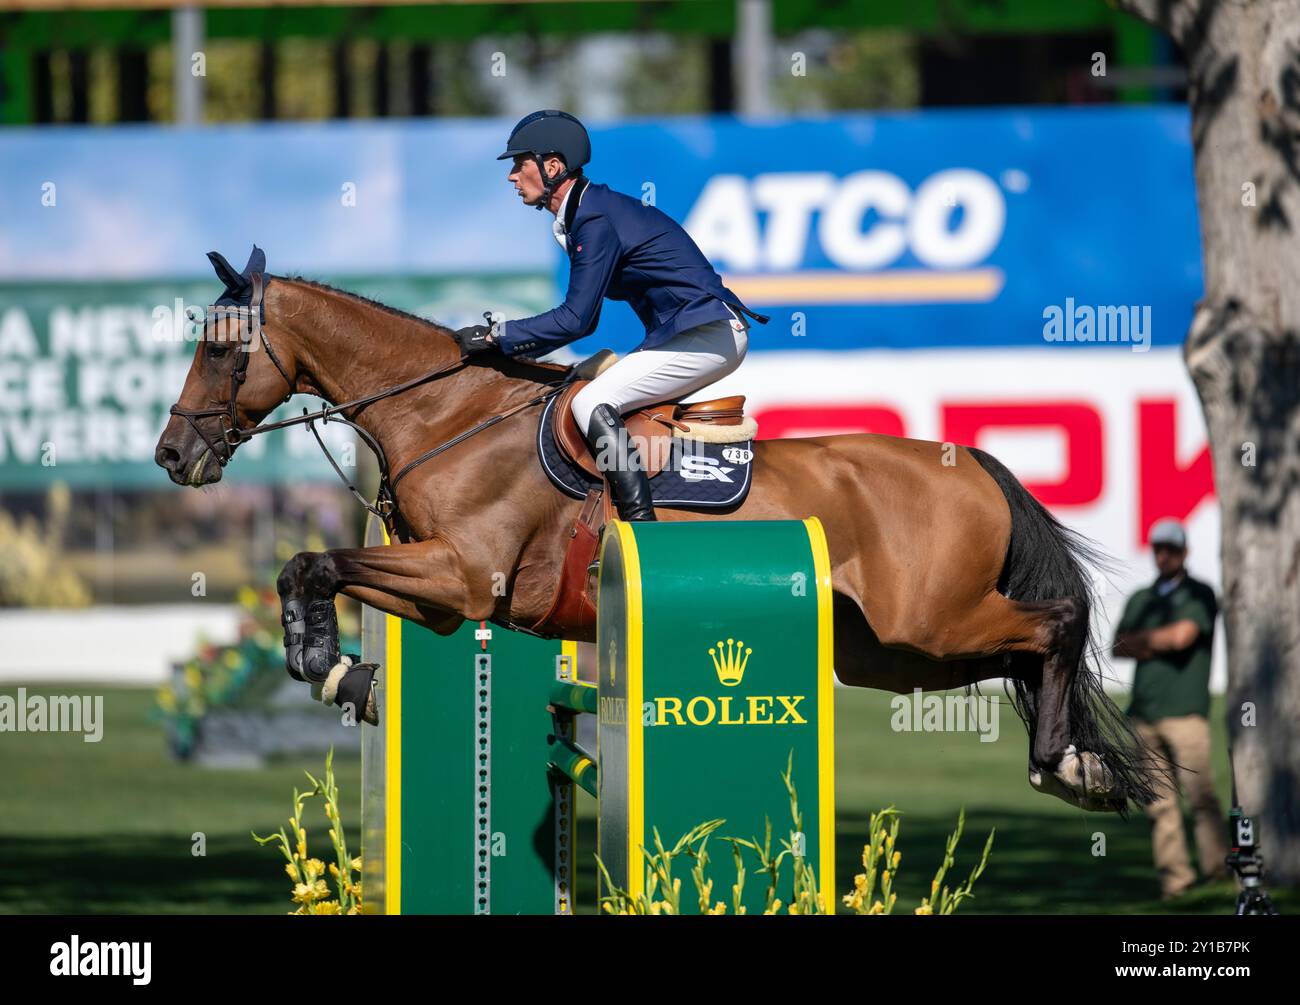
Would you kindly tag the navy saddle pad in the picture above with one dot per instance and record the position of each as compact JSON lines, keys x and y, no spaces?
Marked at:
{"x":698,"y":474}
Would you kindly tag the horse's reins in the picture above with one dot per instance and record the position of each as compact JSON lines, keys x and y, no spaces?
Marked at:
{"x":233,"y":434}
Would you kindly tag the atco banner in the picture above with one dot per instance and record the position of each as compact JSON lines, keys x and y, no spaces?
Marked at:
{"x":911,"y":230}
{"x":1005,"y":227}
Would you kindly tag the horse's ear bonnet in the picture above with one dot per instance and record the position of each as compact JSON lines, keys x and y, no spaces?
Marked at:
{"x":238,"y":285}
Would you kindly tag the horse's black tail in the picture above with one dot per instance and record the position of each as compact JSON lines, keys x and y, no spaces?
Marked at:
{"x":1048,"y":561}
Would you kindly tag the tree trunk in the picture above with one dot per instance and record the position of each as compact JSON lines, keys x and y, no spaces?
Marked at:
{"x":1243,"y":352}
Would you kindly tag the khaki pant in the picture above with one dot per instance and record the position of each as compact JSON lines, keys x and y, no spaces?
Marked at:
{"x":1185,"y":740}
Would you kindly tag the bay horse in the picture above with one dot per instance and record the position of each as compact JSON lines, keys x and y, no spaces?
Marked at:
{"x":945,"y":570}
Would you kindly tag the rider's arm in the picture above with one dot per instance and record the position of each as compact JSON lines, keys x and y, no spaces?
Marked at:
{"x":595,"y":254}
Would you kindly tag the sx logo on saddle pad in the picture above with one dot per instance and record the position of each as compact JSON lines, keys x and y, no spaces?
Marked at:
{"x":696,"y":468}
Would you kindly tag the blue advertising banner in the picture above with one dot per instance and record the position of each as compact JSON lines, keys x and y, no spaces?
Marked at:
{"x":897,"y":230}
{"x":372,"y":198}
{"x":961,"y":228}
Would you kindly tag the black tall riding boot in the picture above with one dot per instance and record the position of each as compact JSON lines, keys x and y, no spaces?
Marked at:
{"x":620,"y":462}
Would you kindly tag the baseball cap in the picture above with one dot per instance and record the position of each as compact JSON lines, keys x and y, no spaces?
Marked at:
{"x":1169,"y":532}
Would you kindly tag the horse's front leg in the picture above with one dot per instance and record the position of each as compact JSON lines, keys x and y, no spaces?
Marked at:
{"x":421,"y":581}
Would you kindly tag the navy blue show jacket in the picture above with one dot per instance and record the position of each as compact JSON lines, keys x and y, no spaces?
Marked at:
{"x":621,"y":249}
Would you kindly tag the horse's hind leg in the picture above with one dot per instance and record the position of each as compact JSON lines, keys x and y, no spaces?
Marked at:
{"x":862,"y":661}
{"x":1056,"y":766}
{"x":1061,"y":763}
{"x":1072,"y":757}
{"x":1064,"y":630}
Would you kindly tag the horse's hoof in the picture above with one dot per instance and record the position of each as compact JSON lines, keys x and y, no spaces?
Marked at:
{"x":1082,"y":780}
{"x":349,"y":684}
{"x":1048,"y":784}
{"x":1098,"y":779}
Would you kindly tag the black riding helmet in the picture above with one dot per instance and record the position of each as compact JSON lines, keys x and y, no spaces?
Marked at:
{"x":550,"y":132}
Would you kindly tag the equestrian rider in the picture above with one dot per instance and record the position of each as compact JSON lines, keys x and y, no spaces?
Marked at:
{"x":621,"y":249}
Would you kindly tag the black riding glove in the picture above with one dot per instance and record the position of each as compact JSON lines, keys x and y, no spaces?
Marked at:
{"x":478,"y":338}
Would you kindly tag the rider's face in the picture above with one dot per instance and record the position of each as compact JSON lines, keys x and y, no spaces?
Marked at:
{"x":528,"y":181}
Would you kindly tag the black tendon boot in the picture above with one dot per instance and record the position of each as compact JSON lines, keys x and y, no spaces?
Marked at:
{"x":620,"y":462}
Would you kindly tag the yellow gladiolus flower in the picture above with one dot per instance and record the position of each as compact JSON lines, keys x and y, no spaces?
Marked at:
{"x":306,"y":893}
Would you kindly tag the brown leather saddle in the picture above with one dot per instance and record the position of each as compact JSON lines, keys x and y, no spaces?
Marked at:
{"x":572,"y":613}
{"x":650,"y":427}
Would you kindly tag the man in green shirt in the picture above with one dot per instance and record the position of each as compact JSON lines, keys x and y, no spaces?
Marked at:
{"x":1168,"y":627}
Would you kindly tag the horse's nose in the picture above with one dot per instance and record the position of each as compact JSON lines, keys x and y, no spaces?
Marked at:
{"x":167,"y":457}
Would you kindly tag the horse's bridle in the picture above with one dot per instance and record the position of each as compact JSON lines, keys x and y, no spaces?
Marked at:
{"x":233,"y":434}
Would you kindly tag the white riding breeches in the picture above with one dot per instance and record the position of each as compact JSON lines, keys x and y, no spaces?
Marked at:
{"x":668,"y":372}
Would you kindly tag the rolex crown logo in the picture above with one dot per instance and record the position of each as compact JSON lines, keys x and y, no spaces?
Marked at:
{"x":729,"y":661}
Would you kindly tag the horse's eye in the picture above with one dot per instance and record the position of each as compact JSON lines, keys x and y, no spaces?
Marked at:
{"x":217,"y":350}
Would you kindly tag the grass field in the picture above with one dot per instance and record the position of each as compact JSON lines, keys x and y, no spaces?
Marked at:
{"x":111,"y":826}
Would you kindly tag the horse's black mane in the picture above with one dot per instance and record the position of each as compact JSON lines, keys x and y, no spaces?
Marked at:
{"x":504,"y":363}
{"x":428,"y":322}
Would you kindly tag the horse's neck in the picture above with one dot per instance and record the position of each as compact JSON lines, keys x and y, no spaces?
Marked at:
{"x":345,"y":349}
{"x":350,"y":350}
